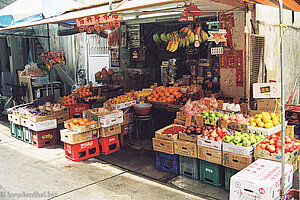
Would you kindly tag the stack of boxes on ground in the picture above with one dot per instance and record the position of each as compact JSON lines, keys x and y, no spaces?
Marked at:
{"x":37,"y":125}
{"x":213,"y":150}
{"x":100,"y":131}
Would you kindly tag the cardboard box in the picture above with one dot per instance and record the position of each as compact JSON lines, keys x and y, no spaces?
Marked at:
{"x":268,"y":105}
{"x":242,"y":127}
{"x":123,"y":105}
{"x":265,"y":131}
{"x":158,"y":134}
{"x":75,"y":137}
{"x":42,"y":126}
{"x":24,"y":122}
{"x":16,"y":119}
{"x":180,"y":122}
{"x":209,"y":143}
{"x":69,"y":125}
{"x":185,"y":148}
{"x":37,"y":118}
{"x":289,"y":158}
{"x":61,"y":118}
{"x":166,"y":146}
{"x":266,"y":90}
{"x":190,"y":138}
{"x":210,"y":155}
{"x":105,"y":120}
{"x":260,"y":180}
{"x":236,"y":161}
{"x":110,"y":131}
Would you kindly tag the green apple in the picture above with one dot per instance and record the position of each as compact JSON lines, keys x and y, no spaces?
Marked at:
{"x":237,"y":139}
{"x":257,"y":138}
{"x":237,"y":133}
{"x":227,"y":139}
{"x":246,"y":143}
{"x":231,"y":142}
{"x":212,"y":115}
{"x":246,"y":135}
{"x":239,"y":144}
{"x":252,"y":140}
{"x":218,"y":114}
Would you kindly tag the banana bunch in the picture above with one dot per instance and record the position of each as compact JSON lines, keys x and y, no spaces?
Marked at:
{"x":173,"y":44}
{"x":156,"y":38}
{"x":202,"y":35}
{"x":185,"y":37}
{"x":166,"y":37}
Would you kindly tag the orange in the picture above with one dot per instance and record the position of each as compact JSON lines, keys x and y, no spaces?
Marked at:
{"x":168,"y":99}
{"x":167,"y":94}
{"x":171,"y":90}
{"x":175,"y":93}
{"x":172,"y":97}
{"x":154,"y":99}
{"x":156,"y":96}
{"x":75,"y":121}
{"x":85,"y":120}
{"x":82,"y":123}
{"x":149,"y":98}
{"x":79,"y":120}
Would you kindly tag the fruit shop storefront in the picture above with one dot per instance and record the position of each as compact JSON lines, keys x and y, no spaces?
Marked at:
{"x":175,"y":100}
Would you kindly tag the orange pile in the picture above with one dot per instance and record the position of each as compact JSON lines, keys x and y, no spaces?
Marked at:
{"x":81,"y":122}
{"x":81,"y":92}
{"x":162,"y":94}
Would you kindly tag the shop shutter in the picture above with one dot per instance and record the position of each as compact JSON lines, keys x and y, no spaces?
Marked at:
{"x":257,"y":48}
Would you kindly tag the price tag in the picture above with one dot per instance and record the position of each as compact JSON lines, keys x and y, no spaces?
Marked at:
{"x":244,"y":109}
{"x":223,"y":123}
{"x":236,"y":100}
{"x":207,"y":103}
{"x":199,"y":120}
{"x":220,"y":104}
{"x":188,"y":120}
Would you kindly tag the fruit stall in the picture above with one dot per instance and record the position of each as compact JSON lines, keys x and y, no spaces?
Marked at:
{"x":193,"y":107}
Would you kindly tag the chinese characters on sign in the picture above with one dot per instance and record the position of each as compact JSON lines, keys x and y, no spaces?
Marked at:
{"x":233,"y":59}
{"x":217,"y":36}
{"x":98,"y":23}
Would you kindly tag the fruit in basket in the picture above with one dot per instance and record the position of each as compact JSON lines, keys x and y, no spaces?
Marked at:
{"x":162,"y":94}
{"x":173,"y":130}
{"x":214,"y":133}
{"x":82,"y":122}
{"x":121,"y":99}
{"x":265,"y":120}
{"x":244,"y":139}
{"x":273,"y":144}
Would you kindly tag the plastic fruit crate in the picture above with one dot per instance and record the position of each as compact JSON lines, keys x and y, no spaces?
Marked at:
{"x":211,"y":173}
{"x":228,"y":174}
{"x":13,"y":129}
{"x":292,"y":194}
{"x":19,"y":132}
{"x":167,"y":162}
{"x":189,"y":167}
{"x":44,"y":138}
{"x":27,"y":135}
{"x":82,"y":151}
{"x":109,"y":145}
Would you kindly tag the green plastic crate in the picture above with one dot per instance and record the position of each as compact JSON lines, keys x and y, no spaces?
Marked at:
{"x":228,"y":174}
{"x":13,"y":130}
{"x":19,"y":132}
{"x":211,"y":173}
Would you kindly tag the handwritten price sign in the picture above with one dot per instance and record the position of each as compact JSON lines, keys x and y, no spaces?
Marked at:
{"x":97,"y":19}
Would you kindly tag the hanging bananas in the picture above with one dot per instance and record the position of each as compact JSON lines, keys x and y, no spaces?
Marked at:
{"x":156,"y":38}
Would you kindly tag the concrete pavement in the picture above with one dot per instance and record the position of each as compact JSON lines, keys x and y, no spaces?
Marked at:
{"x":27,"y":172}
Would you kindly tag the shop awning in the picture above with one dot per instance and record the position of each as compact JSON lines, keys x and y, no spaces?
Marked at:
{"x":24,"y":11}
{"x":73,"y":15}
{"x":287,"y":4}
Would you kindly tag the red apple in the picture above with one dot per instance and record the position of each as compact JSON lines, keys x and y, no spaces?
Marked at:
{"x":278,"y":144}
{"x":286,"y":149}
{"x":211,"y":138}
{"x":265,"y":141}
{"x":272,"y":148}
{"x":272,"y":141}
{"x":278,"y":150}
{"x":273,"y":136}
{"x":263,"y":146}
{"x":214,"y":134}
{"x":288,"y":139}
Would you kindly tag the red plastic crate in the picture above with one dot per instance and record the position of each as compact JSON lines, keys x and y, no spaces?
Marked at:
{"x":77,"y":110}
{"x":82,"y":151}
{"x":109,"y":145}
{"x":44,"y":138}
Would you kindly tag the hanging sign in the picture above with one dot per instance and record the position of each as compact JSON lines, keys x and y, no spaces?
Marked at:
{"x":216,"y":50}
{"x":54,"y":57}
{"x":217,"y":36}
{"x":98,"y":27}
{"x":98,"y":19}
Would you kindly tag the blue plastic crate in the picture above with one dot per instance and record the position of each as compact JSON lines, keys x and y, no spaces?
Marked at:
{"x":189,"y":167}
{"x":167,"y":162}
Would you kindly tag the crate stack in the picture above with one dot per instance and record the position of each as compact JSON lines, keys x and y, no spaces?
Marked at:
{"x":80,"y":141}
{"x":40,"y":131}
{"x":110,"y":123}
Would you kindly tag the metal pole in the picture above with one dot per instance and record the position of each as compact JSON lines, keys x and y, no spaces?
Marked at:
{"x":282,"y":102}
